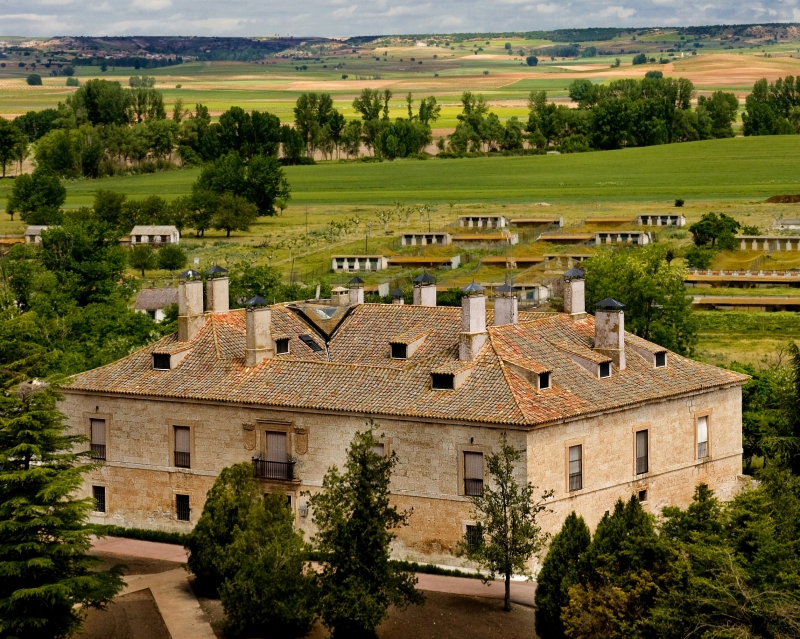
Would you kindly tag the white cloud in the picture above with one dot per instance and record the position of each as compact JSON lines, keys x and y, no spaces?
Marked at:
{"x":152,"y":5}
{"x":345,"y":11}
{"x":408,"y":10}
{"x":32,"y":17}
{"x":548,"y":8}
{"x":616,"y":12}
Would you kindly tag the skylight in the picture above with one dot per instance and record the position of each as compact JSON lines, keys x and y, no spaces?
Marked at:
{"x":325,"y":313}
{"x":308,"y":341}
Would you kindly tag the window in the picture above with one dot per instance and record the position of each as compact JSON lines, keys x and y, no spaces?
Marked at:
{"x":161,"y":361}
{"x":544,"y":381}
{"x":379,"y":449}
{"x":98,"y":427}
{"x":442,"y":381}
{"x":183,"y":451}
{"x":641,"y":452}
{"x":182,"y":510}
{"x":575,"y":467}
{"x":99,"y":494}
{"x":702,"y":437}
{"x":282,"y":346}
{"x":605,"y":369}
{"x":308,"y":341}
{"x":643,"y":495}
{"x":474,"y":537}
{"x":399,"y":351}
{"x":473,"y":474}
{"x":275,"y":463}
{"x":661,"y":360}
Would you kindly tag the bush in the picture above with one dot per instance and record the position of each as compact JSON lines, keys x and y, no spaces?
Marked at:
{"x":679,"y":202}
{"x":179,"y":539}
{"x":273,"y":593}
{"x":532,"y":60}
{"x":640,"y":58}
{"x":654,"y":75}
{"x":34,"y":80}
{"x":73,"y":82}
{"x":227,"y":509}
{"x":698,"y":257}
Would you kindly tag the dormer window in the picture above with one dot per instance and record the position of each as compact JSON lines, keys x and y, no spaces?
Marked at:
{"x":399,"y":351}
{"x":661,"y":359}
{"x":282,"y":346}
{"x":443,"y":381}
{"x":605,"y":369}
{"x":161,"y":361}
{"x":544,"y":380}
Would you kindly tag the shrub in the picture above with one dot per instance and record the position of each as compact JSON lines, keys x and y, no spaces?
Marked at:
{"x":532,"y":60}
{"x":698,"y":257}
{"x":344,"y":76}
{"x":73,"y":82}
{"x":34,"y":80}
{"x":679,"y":202}
{"x":655,"y":75}
{"x":640,"y":58}
{"x":751,"y":230}
{"x":273,"y":593}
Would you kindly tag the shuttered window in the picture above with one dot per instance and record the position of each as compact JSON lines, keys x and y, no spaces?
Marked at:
{"x":575,"y":467}
{"x":276,"y":447}
{"x":702,"y":437}
{"x":98,"y":427}
{"x":183,"y":447}
{"x":642,"y":452}
{"x":473,"y":474}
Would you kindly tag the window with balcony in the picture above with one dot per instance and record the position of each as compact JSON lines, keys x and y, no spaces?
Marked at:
{"x":473,"y":474}
{"x":98,"y":435}
{"x":183,"y":448}
{"x":575,"y":467}
{"x":274,"y":462}
{"x":182,"y":510}
{"x":702,"y":437}
{"x":99,"y":494}
{"x":642,"y":452}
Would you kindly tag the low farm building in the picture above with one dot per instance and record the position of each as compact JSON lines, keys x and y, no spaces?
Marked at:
{"x":482,"y":221}
{"x":154,"y":235}
{"x":487,"y":238}
{"x":769,"y":242}
{"x":599,"y":414}
{"x":673,"y":219}
{"x":33,"y":234}
{"x":639,"y":238}
{"x":155,"y":301}
{"x":425,"y":239}
{"x":359,"y":263}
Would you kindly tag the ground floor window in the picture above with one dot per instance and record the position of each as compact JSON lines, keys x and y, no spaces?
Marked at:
{"x":474,"y":537}
{"x":99,"y":494}
{"x":182,"y":510}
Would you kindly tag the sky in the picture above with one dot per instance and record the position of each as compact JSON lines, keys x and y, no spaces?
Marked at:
{"x":334,"y":18}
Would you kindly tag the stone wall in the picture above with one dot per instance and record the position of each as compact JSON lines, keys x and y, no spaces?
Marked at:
{"x":141,"y":483}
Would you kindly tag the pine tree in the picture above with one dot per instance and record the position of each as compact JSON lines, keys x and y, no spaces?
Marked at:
{"x":506,"y":514}
{"x":356,"y":526}
{"x":47,"y":580}
{"x":560,"y":570}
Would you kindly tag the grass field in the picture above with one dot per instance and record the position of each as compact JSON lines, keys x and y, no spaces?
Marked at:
{"x":733,"y":169}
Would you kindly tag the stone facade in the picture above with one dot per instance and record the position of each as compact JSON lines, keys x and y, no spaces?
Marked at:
{"x":141,"y":481}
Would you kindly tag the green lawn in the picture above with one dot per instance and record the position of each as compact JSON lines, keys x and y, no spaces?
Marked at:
{"x":734,"y":169}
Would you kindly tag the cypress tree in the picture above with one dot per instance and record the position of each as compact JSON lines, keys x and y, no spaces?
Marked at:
{"x":356,"y":526}
{"x":47,"y":580}
{"x":560,"y":570}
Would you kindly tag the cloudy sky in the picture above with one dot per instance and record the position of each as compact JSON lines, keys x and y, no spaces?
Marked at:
{"x":358,"y":17}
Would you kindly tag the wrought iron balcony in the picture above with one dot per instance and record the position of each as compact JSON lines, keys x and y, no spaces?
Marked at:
{"x":98,"y":451}
{"x":273,"y":470}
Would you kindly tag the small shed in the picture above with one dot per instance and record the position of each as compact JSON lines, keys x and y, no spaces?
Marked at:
{"x":33,"y":234}
{"x":154,"y":235}
{"x":155,"y":301}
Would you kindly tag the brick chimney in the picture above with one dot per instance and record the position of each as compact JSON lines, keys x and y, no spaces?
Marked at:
{"x":190,"y":306}
{"x":574,"y":294}
{"x":609,"y":331}
{"x":258,"y":340}
{"x":425,"y":290}
{"x":473,"y":322}
{"x":217,"y":290}
{"x":356,"y":290}
{"x":506,"y":305}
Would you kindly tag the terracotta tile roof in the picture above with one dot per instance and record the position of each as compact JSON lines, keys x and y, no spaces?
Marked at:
{"x":357,"y":373}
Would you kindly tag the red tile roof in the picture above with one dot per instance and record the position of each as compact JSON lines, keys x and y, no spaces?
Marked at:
{"x":356,"y":372}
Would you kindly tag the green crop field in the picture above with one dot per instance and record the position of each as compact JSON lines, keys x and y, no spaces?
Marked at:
{"x":733,"y":169}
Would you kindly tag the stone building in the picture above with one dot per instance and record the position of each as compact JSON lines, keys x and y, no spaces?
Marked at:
{"x":599,"y":413}
{"x":155,"y":301}
{"x":154,"y":235}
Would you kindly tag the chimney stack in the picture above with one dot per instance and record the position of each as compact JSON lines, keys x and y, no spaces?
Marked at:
{"x":217,"y":289}
{"x":609,"y":331}
{"x":340,"y":296}
{"x":356,"y":290}
{"x":190,"y":306}
{"x":473,"y":322}
{"x":574,"y":294}
{"x":258,"y":321}
{"x":398,"y":297}
{"x":424,"y":290}
{"x":506,"y":305}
